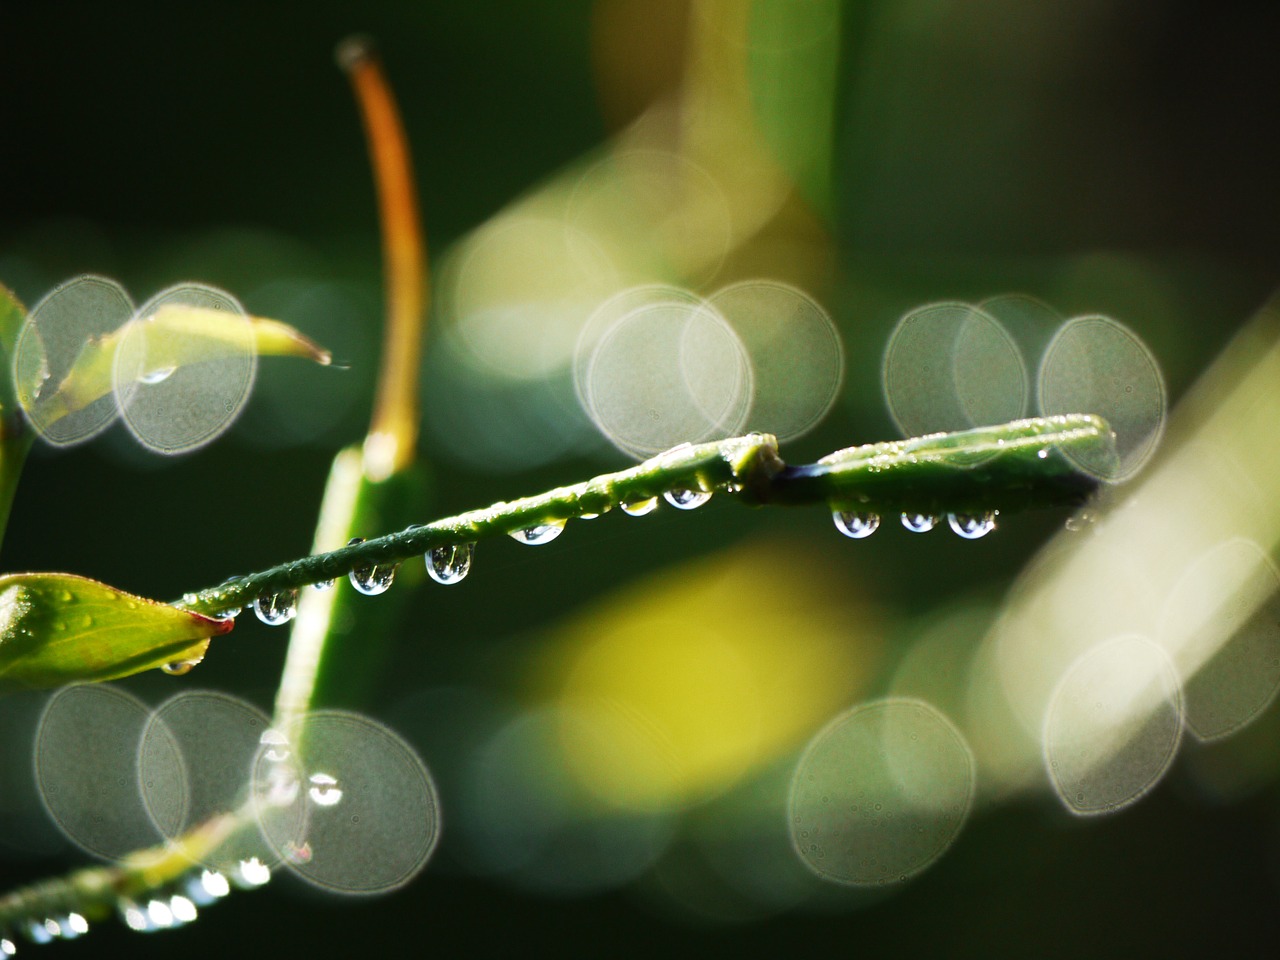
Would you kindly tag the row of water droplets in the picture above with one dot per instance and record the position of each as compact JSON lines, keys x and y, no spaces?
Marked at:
{"x":203,"y":755}
{"x":181,"y":904}
{"x":176,"y":906}
{"x":681,"y":499}
{"x":450,"y":563}
{"x":446,"y":564}
{"x":859,"y":525}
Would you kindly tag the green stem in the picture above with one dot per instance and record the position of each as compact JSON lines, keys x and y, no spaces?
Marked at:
{"x":1007,"y":467}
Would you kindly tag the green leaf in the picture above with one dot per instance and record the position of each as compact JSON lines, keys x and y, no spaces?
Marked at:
{"x":11,"y":316}
{"x":181,"y":335}
{"x":57,"y":628}
{"x":15,"y":433}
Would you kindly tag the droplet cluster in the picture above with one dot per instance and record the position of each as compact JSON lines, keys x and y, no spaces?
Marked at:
{"x":858,"y":525}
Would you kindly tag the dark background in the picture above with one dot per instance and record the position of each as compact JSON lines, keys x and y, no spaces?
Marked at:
{"x":1110,"y":157}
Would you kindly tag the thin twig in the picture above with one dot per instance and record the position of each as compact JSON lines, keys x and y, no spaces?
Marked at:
{"x":1008,"y":467}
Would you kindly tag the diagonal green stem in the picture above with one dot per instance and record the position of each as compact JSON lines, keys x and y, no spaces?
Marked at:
{"x":1008,"y":467}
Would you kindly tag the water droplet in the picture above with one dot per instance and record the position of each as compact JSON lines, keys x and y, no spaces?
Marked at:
{"x":919,"y":522}
{"x":972,"y":526}
{"x":183,"y":910}
{"x":158,"y":375}
{"x":1081,"y":521}
{"x":206,"y":887}
{"x":686,"y":499}
{"x":229,"y":614}
{"x":7,"y":947}
{"x":371,"y":579}
{"x":322,"y":585}
{"x":276,"y":746}
{"x":1043,"y":453}
{"x":133,"y":917}
{"x":159,"y":914}
{"x":252,"y":872}
{"x":179,"y":667}
{"x":66,"y":597}
{"x":86,"y":621}
{"x":274,"y":609}
{"x":542,"y":533}
{"x":324,"y":790}
{"x":855,"y":525}
{"x":73,"y":925}
{"x":450,"y":563}
{"x":38,"y":931}
{"x":639,"y":508}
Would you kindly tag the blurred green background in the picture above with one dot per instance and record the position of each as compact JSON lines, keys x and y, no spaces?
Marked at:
{"x":1116,"y":158}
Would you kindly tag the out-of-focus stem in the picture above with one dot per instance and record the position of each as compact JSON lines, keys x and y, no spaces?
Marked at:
{"x":393,"y":431}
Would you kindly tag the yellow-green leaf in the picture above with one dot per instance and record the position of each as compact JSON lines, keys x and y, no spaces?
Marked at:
{"x":58,"y":628}
{"x":11,"y":316}
{"x":181,"y":335}
{"x":15,"y":435}
{"x":202,"y":332}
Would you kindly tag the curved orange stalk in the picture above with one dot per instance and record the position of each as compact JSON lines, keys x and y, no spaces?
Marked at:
{"x":393,"y":430}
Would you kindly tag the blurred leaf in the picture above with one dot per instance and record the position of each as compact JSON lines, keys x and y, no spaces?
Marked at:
{"x":57,"y":628}
{"x":793,"y":54}
{"x":15,"y":437}
{"x":207,"y":331}
{"x":11,"y":316}
{"x":191,"y":335}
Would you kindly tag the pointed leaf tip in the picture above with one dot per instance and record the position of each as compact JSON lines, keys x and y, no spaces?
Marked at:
{"x":59,"y":628}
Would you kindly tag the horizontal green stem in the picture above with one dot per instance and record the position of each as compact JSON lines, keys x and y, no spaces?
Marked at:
{"x":1007,"y":467}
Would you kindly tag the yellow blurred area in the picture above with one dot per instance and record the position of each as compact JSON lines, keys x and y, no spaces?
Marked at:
{"x":703,"y":185}
{"x":697,"y":676}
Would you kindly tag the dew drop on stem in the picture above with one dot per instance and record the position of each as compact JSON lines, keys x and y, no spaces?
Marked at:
{"x":204,"y":886}
{"x":640,"y":508}
{"x":371,"y":579}
{"x":159,"y":914}
{"x":73,"y":925}
{"x":971,"y":526}
{"x":251,"y":872}
{"x":183,"y":909}
{"x":686,"y":499}
{"x":854,"y":524}
{"x":919,"y":522}
{"x":542,"y":533}
{"x":158,"y":375}
{"x":274,"y":609}
{"x":325,"y":790}
{"x":132,"y":916}
{"x":449,"y":563}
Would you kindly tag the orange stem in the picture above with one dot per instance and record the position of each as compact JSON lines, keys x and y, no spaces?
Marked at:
{"x":393,"y":430}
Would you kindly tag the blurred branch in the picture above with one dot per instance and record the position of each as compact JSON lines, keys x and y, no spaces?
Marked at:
{"x":393,"y":432}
